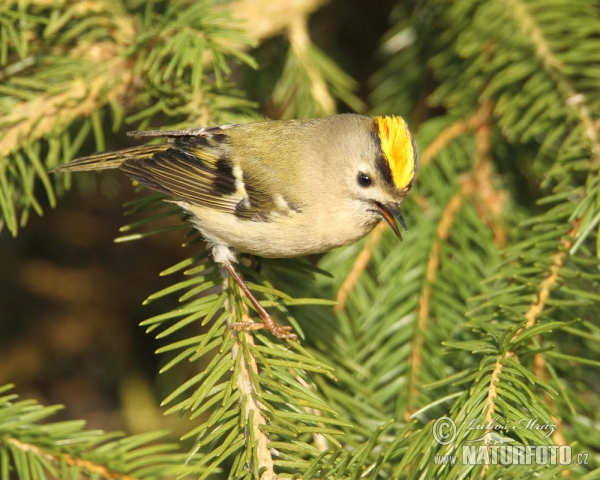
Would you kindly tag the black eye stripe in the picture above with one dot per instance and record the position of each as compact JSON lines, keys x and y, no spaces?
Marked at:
{"x":364,"y":180}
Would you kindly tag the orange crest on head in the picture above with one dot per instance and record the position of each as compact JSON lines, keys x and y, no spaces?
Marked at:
{"x":398,"y":149}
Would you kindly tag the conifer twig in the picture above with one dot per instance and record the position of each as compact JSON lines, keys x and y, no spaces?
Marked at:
{"x":548,"y":284}
{"x":536,"y":308}
{"x":300,"y":43}
{"x":471,"y":188}
{"x":443,"y":232}
{"x":253,"y":416}
{"x":85,"y":465}
{"x":262,"y":19}
{"x":79,"y":98}
{"x":360,"y":264}
{"x":573,"y":99}
{"x":481,"y":117}
{"x":534,"y":311}
{"x":490,"y":400}
{"x":488,"y":200}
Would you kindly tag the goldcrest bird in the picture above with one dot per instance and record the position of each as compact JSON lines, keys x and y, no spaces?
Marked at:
{"x":278,"y":188}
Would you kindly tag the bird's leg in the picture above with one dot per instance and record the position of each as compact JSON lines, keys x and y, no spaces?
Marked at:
{"x":268,"y":322}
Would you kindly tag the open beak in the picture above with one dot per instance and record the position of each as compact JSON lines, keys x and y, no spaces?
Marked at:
{"x":392,"y":214}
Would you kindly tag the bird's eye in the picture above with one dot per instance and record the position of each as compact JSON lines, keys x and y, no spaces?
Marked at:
{"x":364,"y":180}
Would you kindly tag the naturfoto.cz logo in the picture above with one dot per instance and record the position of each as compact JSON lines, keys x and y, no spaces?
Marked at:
{"x":493,"y":448}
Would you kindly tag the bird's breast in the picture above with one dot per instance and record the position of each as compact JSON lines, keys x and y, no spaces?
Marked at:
{"x":297,"y":233}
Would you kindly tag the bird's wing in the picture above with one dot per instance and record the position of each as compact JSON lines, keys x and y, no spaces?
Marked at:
{"x":189,"y":171}
{"x":195,"y":166}
{"x":202,"y":171}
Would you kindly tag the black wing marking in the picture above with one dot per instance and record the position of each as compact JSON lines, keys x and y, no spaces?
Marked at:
{"x":199,"y":170}
{"x":205,"y":180}
{"x":195,"y":166}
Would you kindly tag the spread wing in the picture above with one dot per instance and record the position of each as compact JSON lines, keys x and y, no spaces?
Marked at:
{"x":195,"y":166}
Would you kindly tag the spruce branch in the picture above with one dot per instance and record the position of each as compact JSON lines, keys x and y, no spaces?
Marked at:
{"x":552,"y":277}
{"x":535,"y":309}
{"x":551,"y":280}
{"x":359,"y":266}
{"x":58,"y":459}
{"x":81,"y":97}
{"x":540,"y":262}
{"x":31,"y":447}
{"x":61,"y":84}
{"x":263,"y":19}
{"x":573,"y":99}
{"x":443,"y":231}
{"x":311,"y":82}
{"x":473,"y":123}
{"x":300,"y":43}
{"x":258,"y":403}
{"x":467,"y":317}
{"x":253,"y":417}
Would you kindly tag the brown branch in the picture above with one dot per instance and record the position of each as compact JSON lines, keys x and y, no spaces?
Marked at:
{"x":476,"y":186}
{"x":536,"y":308}
{"x":490,"y":400}
{"x":489,"y":202}
{"x":443,"y":233}
{"x":360,"y":265}
{"x":60,"y":459}
{"x":481,"y":117}
{"x":549,"y":283}
{"x":534,"y":311}
{"x":487,"y":199}
{"x":246,"y":388}
{"x":458,"y":128}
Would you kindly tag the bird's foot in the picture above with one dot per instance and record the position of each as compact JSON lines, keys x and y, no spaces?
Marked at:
{"x":270,"y":325}
{"x":267,"y":321}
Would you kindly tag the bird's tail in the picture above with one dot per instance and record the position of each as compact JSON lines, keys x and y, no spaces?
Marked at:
{"x":106,"y":160}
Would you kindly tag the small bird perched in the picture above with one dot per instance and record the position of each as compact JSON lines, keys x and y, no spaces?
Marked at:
{"x":277,"y":189}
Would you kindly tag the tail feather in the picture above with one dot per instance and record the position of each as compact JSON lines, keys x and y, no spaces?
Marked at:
{"x":107,"y":160}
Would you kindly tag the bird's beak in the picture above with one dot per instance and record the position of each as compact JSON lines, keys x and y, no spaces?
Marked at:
{"x":391,"y":212}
